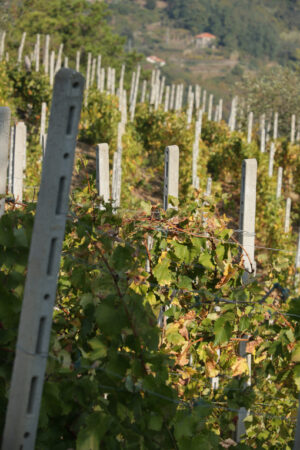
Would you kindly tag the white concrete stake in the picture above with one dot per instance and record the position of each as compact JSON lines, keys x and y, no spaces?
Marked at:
{"x":98,"y":71}
{"x":293,"y":128}
{"x":263,"y":133}
{"x":171,"y":175}
{"x":102,"y":171}
{"x":275,"y":127}
{"x":37,"y":54}
{"x":59,"y":59}
{"x":220,"y":110}
{"x":4,"y":146}
{"x":52,"y":64}
{"x":20,"y":51}
{"x":43,"y":121}
{"x":66,"y":62}
{"x":197,"y":96}
{"x":204,"y":100}
{"x":93,"y":72}
{"x":46,"y":54}
{"x":121,"y":81}
{"x":172,"y":98}
{"x":19,"y":153}
{"x":2,"y":45}
{"x":144,"y":90}
{"x":279,"y":182}
{"x":247,"y":214}
{"x":250,"y":126}
{"x":271,"y":159}
{"x":287,"y":215}
{"x":210,"y":107}
{"x":78,"y":61}
{"x":11,"y":155}
{"x":167,"y":99}
{"x":44,"y":259}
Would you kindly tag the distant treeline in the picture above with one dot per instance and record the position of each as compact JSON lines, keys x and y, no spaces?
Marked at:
{"x":258,"y":27}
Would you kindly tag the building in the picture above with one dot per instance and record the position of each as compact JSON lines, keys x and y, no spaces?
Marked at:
{"x":156,"y":60}
{"x":205,"y":40}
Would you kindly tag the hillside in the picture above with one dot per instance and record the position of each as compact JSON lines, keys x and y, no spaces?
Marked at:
{"x":250,"y":35}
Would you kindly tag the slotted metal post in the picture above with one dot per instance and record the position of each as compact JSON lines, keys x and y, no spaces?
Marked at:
{"x":40,"y":288}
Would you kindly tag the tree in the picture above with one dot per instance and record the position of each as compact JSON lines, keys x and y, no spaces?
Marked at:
{"x":150,"y":4}
{"x":78,"y":24}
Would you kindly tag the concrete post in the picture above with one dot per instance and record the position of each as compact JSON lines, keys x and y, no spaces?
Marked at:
{"x":144,"y":90}
{"x":46,"y":54}
{"x":204,"y":100}
{"x":279,"y":182}
{"x":52,"y":63}
{"x":98,"y":71}
{"x":40,"y":288}
{"x":93,"y":72}
{"x":210,"y":107}
{"x":78,"y":61}
{"x":102,"y":171}
{"x":19,"y":152}
{"x":37,"y":54}
{"x":263,"y":133}
{"x":198,"y":129}
{"x":11,"y":156}
{"x":162,"y":90}
{"x":220,"y":110}
{"x":250,"y":126}
{"x":43,"y":121}
{"x":247,"y":213}
{"x":171,"y":176}
{"x":135,"y":93}
{"x":4,"y":145}
{"x":293,"y":128}
{"x":66,"y":62}
{"x":172,"y":97}
{"x":232,"y":120}
{"x":208,"y":187}
{"x":167,"y":99}
{"x":88,"y":71}
{"x":275,"y":128}
{"x":102,"y":83}
{"x":132,"y":87}
{"x":243,"y":413}
{"x":59,"y":58}
{"x":271,"y":159}
{"x":121,"y":81}
{"x":197,"y":96}
{"x":287,"y":215}
{"x":2,"y":45}
{"x":20,"y":51}
{"x":190,"y":109}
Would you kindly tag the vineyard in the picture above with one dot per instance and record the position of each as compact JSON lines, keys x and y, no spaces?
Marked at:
{"x":174,"y":320}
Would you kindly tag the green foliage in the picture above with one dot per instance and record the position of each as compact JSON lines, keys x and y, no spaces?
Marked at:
{"x":117,"y":380}
{"x":78,"y":24}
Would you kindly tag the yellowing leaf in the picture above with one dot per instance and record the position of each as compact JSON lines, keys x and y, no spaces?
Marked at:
{"x":240,"y":367}
{"x":210,"y":369}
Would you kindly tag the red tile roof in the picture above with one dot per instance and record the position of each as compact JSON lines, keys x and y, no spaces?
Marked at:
{"x":206,"y":35}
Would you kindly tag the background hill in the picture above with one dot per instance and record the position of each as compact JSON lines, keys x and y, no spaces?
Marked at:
{"x":251,"y":34}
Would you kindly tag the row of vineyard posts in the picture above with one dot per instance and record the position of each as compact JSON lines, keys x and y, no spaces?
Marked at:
{"x":58,"y":149}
